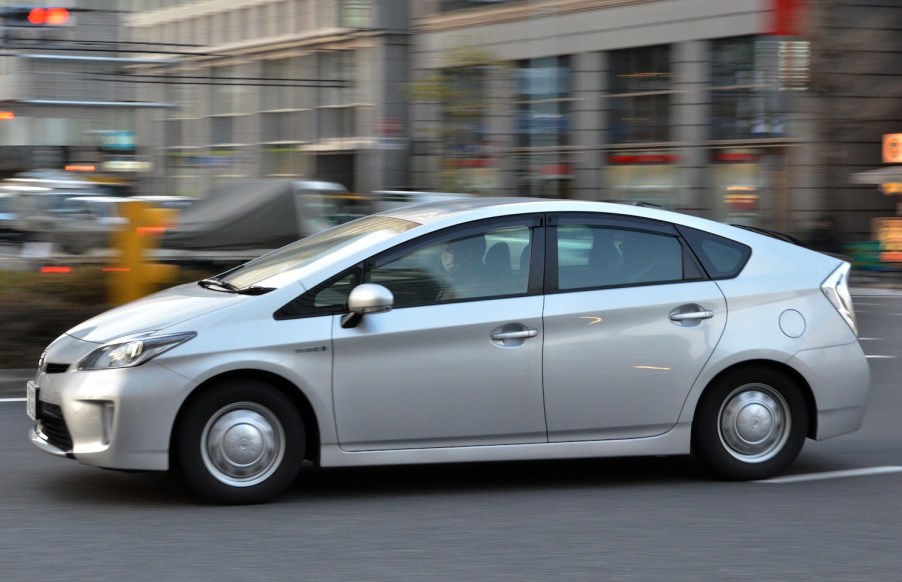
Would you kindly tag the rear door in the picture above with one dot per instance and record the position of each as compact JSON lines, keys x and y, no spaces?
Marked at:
{"x":630,"y":321}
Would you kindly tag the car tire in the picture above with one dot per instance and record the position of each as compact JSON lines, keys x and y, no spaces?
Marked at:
{"x":750,"y":424}
{"x":241,"y":442}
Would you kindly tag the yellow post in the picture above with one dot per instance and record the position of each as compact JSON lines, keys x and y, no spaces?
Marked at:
{"x":133,"y":276}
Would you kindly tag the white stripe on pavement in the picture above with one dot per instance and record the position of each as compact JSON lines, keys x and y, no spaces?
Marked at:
{"x":864,"y":472}
{"x":12,"y":399}
{"x":881,"y":357}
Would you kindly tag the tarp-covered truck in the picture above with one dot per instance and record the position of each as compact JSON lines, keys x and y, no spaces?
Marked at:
{"x":262,"y":214}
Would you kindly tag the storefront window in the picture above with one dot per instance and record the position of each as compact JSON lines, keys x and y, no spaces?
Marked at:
{"x":745,"y":180}
{"x":543,"y":111}
{"x":648,"y":177}
{"x":640,"y":95}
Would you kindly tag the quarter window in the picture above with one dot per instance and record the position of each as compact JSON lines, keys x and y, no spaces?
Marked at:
{"x":721,"y":257}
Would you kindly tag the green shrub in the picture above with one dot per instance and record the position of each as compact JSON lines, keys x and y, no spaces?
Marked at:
{"x":36,"y":308}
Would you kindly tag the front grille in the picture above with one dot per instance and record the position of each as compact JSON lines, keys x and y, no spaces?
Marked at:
{"x":51,"y":368}
{"x":53,"y":426}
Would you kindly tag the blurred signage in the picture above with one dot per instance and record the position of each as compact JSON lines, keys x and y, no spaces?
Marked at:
{"x":118,"y":141}
{"x":642,"y":158}
{"x":892,"y":148}
{"x":888,"y":231}
{"x":127,"y":166}
{"x":736,"y":156}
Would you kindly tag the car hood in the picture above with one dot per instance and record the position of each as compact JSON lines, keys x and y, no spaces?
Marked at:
{"x":154,"y":312}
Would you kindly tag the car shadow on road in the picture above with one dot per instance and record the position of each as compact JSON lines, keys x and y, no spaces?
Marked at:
{"x":90,"y":486}
{"x":456,"y":478}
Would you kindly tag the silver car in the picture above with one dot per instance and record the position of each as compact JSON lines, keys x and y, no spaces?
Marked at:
{"x":467,"y":330}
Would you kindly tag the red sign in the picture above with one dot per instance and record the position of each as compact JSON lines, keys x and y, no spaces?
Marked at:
{"x":786,"y":17}
{"x":622,"y":159}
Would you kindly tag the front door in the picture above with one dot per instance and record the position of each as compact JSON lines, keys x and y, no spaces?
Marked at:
{"x":458,"y":361}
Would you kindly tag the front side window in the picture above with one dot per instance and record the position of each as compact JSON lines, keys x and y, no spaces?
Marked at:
{"x":478,"y":265}
{"x":475,"y":264}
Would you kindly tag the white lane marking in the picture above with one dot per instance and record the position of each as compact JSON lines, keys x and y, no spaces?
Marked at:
{"x":12,"y":399}
{"x":864,"y":472}
{"x":870,"y":339}
{"x":880,"y":357}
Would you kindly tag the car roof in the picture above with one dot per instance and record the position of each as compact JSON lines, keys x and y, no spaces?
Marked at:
{"x":441,"y":210}
{"x":452,"y":211}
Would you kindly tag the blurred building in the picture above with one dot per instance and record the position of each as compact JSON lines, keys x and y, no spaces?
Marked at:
{"x":747,"y":111}
{"x":753,"y":112}
{"x":276,"y":88}
{"x":63,"y":97}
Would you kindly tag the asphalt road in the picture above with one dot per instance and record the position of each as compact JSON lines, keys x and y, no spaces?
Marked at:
{"x":637,"y":519}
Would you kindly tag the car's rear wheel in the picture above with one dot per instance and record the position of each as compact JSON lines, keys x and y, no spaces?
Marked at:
{"x":750,"y":424}
{"x":241,"y":441}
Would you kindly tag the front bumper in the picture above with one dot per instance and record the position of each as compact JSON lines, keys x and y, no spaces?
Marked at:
{"x":41,"y":440}
{"x":116,"y":419}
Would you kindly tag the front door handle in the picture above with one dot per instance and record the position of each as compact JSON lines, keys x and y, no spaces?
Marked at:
{"x":509,"y":335}
{"x":701,"y":314}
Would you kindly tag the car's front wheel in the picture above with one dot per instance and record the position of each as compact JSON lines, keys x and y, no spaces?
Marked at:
{"x":750,"y":424}
{"x":241,"y":441}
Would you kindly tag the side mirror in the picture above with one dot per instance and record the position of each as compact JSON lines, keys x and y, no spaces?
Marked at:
{"x":365,"y":299}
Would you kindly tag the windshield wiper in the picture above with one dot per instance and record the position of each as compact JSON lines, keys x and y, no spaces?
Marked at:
{"x":224,"y":285}
{"x":229,"y":287}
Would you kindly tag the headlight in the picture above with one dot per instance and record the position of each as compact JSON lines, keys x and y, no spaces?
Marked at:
{"x":131,"y":351}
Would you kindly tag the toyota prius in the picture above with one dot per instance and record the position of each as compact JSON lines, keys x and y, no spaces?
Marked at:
{"x":476,"y":329}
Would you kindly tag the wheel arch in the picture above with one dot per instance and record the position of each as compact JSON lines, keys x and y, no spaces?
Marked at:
{"x":286,"y":387}
{"x":779,"y":367}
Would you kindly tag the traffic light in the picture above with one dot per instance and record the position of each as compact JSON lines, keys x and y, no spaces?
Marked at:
{"x":35,"y":16}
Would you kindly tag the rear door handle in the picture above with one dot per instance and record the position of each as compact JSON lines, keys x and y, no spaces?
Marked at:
{"x":508,"y":335}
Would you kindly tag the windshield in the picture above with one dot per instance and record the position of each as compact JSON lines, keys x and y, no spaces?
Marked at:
{"x":315,"y":247}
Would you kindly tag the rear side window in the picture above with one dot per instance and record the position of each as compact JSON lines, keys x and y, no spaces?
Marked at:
{"x":592,"y":256}
{"x":721,"y":257}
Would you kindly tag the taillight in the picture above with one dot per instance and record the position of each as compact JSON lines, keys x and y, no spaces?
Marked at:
{"x":836,"y":288}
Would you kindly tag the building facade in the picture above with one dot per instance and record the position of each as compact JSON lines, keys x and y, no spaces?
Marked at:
{"x":730,"y":110}
{"x":747,"y":111}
